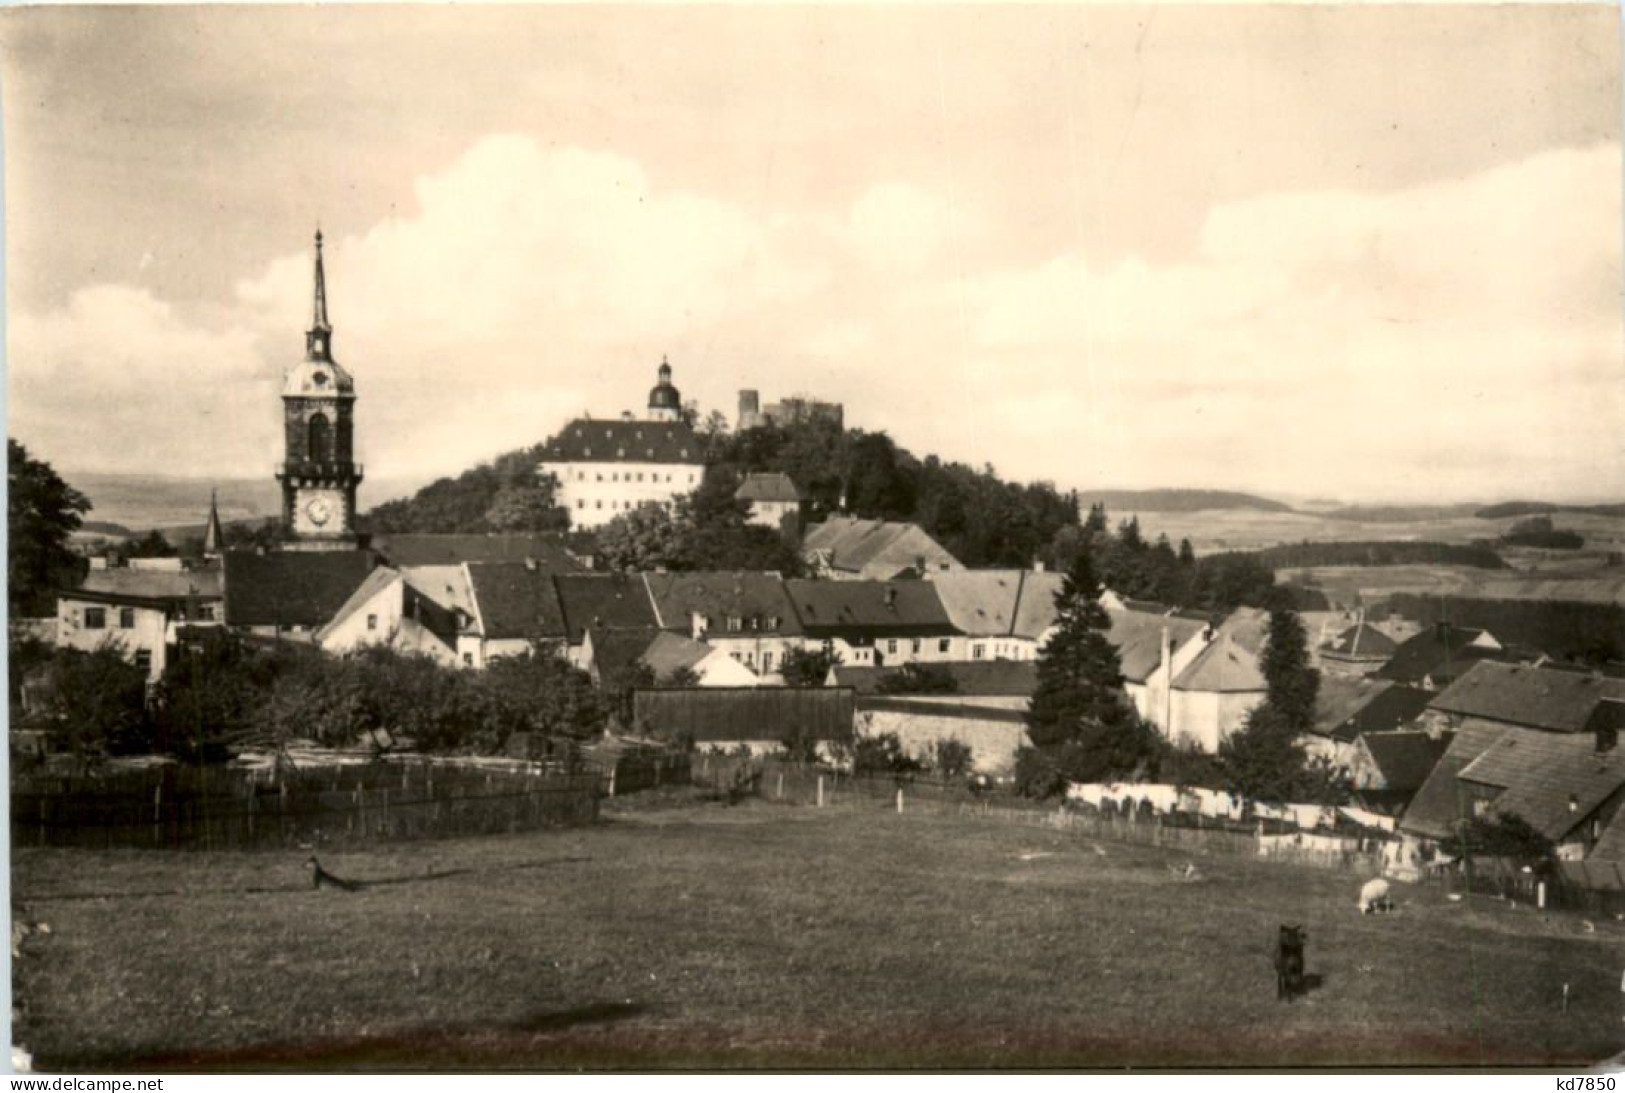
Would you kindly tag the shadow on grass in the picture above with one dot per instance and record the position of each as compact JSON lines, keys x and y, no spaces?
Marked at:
{"x":362,"y":884}
{"x":413,"y":1048}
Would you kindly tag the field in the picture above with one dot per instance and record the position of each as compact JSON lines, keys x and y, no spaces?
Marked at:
{"x":1246,"y":529}
{"x":767,"y":935}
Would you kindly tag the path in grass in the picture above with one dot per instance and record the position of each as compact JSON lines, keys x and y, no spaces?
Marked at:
{"x":769,"y":935}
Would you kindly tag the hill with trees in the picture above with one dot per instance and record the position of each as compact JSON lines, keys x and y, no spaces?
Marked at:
{"x":1538,"y":508}
{"x":1338,"y":553}
{"x":1178,"y":500}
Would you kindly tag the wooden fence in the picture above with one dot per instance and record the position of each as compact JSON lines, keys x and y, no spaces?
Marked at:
{"x":195,"y":808}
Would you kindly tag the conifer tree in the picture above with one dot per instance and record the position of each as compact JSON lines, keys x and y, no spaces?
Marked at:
{"x":1079,"y":716}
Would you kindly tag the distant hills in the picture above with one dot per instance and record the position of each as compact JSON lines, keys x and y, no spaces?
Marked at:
{"x":125,"y":505}
{"x":1543,"y":508}
{"x":1130,"y":501}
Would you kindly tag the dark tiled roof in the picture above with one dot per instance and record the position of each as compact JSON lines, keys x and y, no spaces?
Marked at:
{"x":1441,"y":653}
{"x":419,"y":550}
{"x":868,"y":608}
{"x":1138,"y":638}
{"x":1405,"y":759}
{"x":1436,"y":808}
{"x":875,"y":548}
{"x":589,"y":441}
{"x":1552,"y":780}
{"x":616,"y":651}
{"x":722,"y":715}
{"x":758,"y":600}
{"x":513,"y":600}
{"x":609,"y":600}
{"x":975,"y":678}
{"x":1035,"y":611}
{"x":1539,"y":698}
{"x":1347,"y":708}
{"x":1361,"y":642}
{"x":669,"y":652}
{"x":958,"y":711}
{"x":767,"y":487}
{"x":292,"y":587}
{"x":981,"y":602}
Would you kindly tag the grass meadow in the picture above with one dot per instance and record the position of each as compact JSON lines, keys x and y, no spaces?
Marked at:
{"x":699,"y":936}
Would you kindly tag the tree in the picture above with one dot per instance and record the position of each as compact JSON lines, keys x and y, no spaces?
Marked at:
{"x":151,"y":545}
{"x":807,"y":667}
{"x":1292,"y":686}
{"x":645,"y":538}
{"x":918,"y":679}
{"x":99,"y":702}
{"x":527,"y":507}
{"x":1263,"y":759}
{"x":1079,"y":716}
{"x":951,"y":758}
{"x":42,"y":512}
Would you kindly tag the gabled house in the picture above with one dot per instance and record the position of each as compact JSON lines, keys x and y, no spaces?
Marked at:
{"x":611,"y":655}
{"x":290,"y":595}
{"x":515,"y":608}
{"x":137,"y":610}
{"x":748,"y":616}
{"x":1349,"y":707}
{"x":1568,"y":786}
{"x":1436,"y":657}
{"x":876,"y":622}
{"x":608,"y":601}
{"x":759,"y":719}
{"x":846,"y":549}
{"x":1388,"y":768}
{"x":1522,"y":696}
{"x":1359,"y":650}
{"x":1154,"y":647}
{"x":773,"y":499}
{"x":1003,"y":613}
{"x":387,"y":610}
{"x":1222,"y":683}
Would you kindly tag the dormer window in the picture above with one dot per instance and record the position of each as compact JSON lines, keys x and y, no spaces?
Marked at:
{"x":772,"y":622}
{"x":735,"y":623}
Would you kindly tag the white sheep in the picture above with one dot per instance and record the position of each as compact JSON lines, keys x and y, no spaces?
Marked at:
{"x":1374,"y":896}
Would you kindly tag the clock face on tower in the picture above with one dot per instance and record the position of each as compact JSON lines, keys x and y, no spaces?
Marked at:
{"x":319,"y":511}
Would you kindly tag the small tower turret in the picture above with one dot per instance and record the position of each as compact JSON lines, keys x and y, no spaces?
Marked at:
{"x":665,"y":401}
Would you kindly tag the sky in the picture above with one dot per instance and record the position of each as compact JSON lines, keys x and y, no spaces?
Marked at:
{"x":1371,"y":254}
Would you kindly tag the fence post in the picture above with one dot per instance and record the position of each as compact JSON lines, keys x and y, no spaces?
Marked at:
{"x":780,"y":792}
{"x":157,"y":814}
{"x":612,"y":781}
{"x":1540,"y":901}
{"x":821,"y":794}
{"x":899,"y":800}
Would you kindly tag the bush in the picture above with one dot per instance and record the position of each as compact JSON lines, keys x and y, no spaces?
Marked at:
{"x":1037,"y":774}
{"x":882,"y":754}
{"x":951,"y":759}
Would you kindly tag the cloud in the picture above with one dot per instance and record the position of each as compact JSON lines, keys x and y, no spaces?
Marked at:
{"x":1456,"y":339}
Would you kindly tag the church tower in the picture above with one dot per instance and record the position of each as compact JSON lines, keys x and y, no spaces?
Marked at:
{"x":319,"y":474}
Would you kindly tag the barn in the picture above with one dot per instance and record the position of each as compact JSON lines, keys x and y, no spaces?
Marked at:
{"x":762,"y":719}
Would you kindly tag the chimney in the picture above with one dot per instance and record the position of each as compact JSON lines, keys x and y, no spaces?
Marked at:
{"x":626,"y":415}
{"x":1038,"y":565}
{"x":750,"y":402}
{"x":891,"y":598}
{"x":1166,"y":663}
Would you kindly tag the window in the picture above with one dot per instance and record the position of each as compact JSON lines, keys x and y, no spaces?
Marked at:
{"x":126,"y":618}
{"x":942,"y":645}
{"x":581,"y":476}
{"x":767,"y":662}
{"x":690,"y":477}
{"x":772,"y":622}
{"x":372,"y":622}
{"x":978,"y":651}
{"x":205,"y":612}
{"x":734,"y":655}
{"x":319,"y":439}
{"x":600,"y":503}
{"x":915,"y":646}
{"x":468,"y":660}
{"x":95,"y":618}
{"x":581,"y":503}
{"x":143,"y":659}
{"x":735,"y":624}
{"x":640,"y":476}
{"x":891,"y":645}
{"x":750,"y":659}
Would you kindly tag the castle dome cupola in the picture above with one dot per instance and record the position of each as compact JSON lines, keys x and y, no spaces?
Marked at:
{"x":665,"y":401}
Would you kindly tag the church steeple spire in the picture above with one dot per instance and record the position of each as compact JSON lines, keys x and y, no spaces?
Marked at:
{"x":319,"y":338}
{"x":214,"y":539}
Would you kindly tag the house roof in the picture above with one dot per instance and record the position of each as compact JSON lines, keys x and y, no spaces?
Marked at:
{"x":616,"y":650}
{"x":1551,"y":780}
{"x":719,"y":715}
{"x":1035,"y":610}
{"x":1440,"y":653}
{"x":981,"y":602}
{"x":512,"y":600}
{"x":404,"y":551}
{"x":589,"y":441}
{"x":975,"y":678}
{"x":767,"y":487}
{"x":604,"y":601}
{"x":1610,"y":846}
{"x":1435,"y":809}
{"x":869,"y":608}
{"x":155,"y":584}
{"x":669,"y":652}
{"x":445,"y":585}
{"x":752,"y":597}
{"x":1230,"y":663}
{"x":1138,"y":638}
{"x":374,"y":583}
{"x":291,"y":587}
{"x":875,"y":548}
{"x":1404,"y":759}
{"x":1516,"y":694}
{"x":1339,"y":699}
{"x":1361,"y":642}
